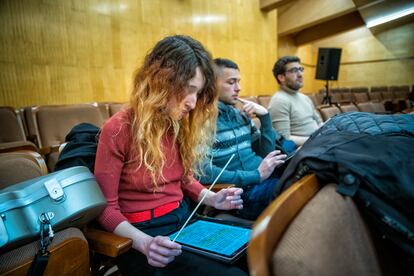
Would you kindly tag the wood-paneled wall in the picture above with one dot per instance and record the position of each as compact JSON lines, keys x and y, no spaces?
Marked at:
{"x":386,"y":58}
{"x":307,"y":57}
{"x":62,"y":52}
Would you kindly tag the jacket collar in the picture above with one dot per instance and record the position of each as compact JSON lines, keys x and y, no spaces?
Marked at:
{"x":227,"y":111}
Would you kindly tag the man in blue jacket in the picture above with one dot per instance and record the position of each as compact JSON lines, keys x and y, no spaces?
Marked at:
{"x":255,"y":155}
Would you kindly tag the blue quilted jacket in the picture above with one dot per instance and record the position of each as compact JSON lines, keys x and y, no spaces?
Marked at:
{"x":377,"y":147}
{"x":368,"y":123}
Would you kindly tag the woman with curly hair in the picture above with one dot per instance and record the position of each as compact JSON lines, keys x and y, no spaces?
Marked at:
{"x":148,"y":152}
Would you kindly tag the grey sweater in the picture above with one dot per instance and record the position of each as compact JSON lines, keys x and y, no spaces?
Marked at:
{"x":293,"y":114}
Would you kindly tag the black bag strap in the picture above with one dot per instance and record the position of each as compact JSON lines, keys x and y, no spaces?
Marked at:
{"x":42,"y":256}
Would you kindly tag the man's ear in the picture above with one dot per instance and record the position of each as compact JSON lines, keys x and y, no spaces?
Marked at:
{"x":281,"y":78}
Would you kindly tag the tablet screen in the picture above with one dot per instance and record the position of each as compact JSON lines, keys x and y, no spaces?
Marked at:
{"x":214,"y":237}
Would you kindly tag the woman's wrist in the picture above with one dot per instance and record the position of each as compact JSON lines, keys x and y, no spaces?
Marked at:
{"x":140,"y":240}
{"x":209,"y":198}
{"x":142,"y":243}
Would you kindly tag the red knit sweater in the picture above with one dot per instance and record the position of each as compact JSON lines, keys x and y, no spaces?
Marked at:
{"x":128,"y":189}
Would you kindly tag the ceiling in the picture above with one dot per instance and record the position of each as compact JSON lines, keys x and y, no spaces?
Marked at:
{"x":306,"y":21}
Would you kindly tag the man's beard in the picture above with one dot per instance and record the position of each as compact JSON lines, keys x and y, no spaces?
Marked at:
{"x":294,"y":85}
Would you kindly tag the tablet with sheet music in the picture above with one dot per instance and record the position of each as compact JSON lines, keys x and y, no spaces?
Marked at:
{"x":217,"y":239}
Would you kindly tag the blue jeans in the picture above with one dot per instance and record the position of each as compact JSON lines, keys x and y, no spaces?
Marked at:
{"x":256,"y":198}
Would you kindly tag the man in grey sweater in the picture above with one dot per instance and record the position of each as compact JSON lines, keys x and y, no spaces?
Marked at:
{"x":255,"y":155}
{"x":293,"y":113}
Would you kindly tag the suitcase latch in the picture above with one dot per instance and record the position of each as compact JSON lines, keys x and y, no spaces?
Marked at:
{"x":54,"y":189}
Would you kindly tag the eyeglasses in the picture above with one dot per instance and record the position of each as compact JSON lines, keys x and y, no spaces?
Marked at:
{"x":295,"y":70}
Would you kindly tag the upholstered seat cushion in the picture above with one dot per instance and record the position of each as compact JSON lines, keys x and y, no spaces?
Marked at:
{"x":328,"y":237}
{"x":68,"y":256}
{"x":19,"y":166}
{"x":11,"y":127}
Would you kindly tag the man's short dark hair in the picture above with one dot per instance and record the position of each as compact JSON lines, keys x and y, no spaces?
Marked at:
{"x":280,"y":66}
{"x":225,"y":63}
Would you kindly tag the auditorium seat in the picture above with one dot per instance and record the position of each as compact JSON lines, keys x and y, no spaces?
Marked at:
{"x":387,"y":100}
{"x":348,"y":108}
{"x":264,"y":100}
{"x":328,"y":111}
{"x":310,"y":229}
{"x":366,"y":107}
{"x":105,"y":247}
{"x":115,"y":107}
{"x":379,"y":108}
{"x":69,"y":249}
{"x":373,"y":107}
{"x":69,"y":254}
{"x":321,"y":92}
{"x":17,"y":146}
{"x":251,"y":98}
{"x":401,"y":96}
{"x":53,"y":123}
{"x":360,"y":94}
{"x":375,"y":93}
{"x":103,"y":108}
{"x":316,"y":99}
{"x":335,"y":94}
{"x":346,"y":95}
{"x":30,"y":126}
{"x":12,"y":136}
{"x":11,"y":125}
{"x":19,"y":166}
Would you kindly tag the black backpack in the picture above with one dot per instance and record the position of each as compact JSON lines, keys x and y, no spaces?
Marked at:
{"x":80,"y":150}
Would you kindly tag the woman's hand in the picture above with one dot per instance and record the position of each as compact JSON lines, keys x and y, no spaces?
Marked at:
{"x":227,"y":199}
{"x":160,"y":251}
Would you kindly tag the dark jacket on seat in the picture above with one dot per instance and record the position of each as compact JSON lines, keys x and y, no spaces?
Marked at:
{"x":371,"y":157}
{"x":359,"y":139}
{"x":82,"y":142}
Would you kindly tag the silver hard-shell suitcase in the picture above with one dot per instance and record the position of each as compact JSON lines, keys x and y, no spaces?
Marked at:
{"x":67,"y":198}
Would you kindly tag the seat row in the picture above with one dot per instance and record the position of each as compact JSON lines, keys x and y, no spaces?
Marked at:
{"x":63,"y":117}
{"x":394,"y":98}
{"x":44,"y":128}
{"x":327,"y":111}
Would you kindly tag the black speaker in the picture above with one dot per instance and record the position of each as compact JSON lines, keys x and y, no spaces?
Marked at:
{"x":327,"y":66}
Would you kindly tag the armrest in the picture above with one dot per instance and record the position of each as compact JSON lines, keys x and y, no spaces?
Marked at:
{"x":107,"y":243}
{"x":18,"y":145}
{"x":48,"y":150}
{"x":218,"y":186}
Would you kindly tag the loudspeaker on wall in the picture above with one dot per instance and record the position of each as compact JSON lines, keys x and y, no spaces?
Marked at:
{"x":327,"y":66}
